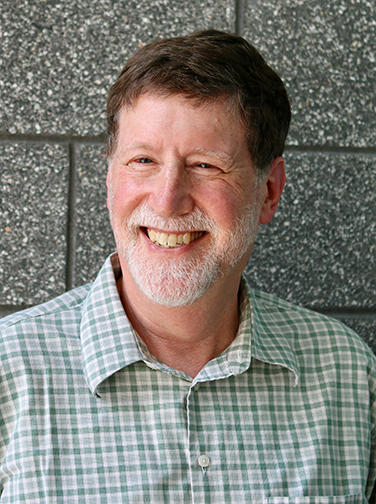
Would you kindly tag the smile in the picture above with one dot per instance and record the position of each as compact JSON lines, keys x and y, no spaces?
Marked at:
{"x":172,"y":240}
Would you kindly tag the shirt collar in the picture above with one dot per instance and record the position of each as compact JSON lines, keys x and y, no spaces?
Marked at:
{"x":237,"y":357}
{"x":272,"y":335}
{"x":107,"y":339}
{"x":263,"y":334}
{"x":110,"y":344}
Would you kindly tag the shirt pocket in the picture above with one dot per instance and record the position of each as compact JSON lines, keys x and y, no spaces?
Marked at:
{"x":336,"y":499}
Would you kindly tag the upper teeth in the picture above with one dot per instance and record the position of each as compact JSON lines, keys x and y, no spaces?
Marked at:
{"x":171,"y":239}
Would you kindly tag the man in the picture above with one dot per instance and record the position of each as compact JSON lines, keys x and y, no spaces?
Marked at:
{"x":168,"y":379}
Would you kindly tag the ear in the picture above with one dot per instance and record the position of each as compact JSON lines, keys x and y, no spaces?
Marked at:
{"x":273,"y":187}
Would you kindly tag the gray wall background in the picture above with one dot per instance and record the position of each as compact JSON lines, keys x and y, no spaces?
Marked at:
{"x":58,"y":59}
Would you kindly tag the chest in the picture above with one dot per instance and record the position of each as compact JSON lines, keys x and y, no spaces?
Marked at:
{"x":151,"y":437}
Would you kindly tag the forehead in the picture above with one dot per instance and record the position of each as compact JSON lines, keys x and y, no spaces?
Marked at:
{"x":152,"y":116}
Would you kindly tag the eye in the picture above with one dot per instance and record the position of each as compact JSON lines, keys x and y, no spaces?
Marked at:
{"x":204,"y":165}
{"x":207,"y":169}
{"x":143,"y":160}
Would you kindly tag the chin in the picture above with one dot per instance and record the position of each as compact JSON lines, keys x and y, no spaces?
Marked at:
{"x":173,"y":283}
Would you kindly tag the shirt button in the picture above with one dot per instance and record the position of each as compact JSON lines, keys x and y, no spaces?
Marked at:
{"x":203,"y":461}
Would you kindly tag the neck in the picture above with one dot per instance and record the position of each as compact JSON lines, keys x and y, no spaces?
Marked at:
{"x":189,"y":336}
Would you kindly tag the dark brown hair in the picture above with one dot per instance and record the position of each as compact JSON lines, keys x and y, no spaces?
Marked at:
{"x":204,"y":66}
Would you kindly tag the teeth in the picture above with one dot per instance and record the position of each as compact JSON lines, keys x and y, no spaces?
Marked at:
{"x":172,"y":240}
{"x":162,"y":238}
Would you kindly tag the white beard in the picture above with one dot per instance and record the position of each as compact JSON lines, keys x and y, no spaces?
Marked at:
{"x":181,"y":280}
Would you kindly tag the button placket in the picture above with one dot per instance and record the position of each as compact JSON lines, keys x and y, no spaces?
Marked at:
{"x":199,"y":461}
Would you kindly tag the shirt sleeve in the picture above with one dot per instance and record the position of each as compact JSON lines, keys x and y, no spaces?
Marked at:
{"x":371,"y":487}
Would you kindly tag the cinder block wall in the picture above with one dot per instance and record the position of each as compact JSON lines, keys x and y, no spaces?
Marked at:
{"x":58,"y":59}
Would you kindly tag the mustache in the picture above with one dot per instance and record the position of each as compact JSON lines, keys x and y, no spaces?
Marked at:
{"x":143,"y":216}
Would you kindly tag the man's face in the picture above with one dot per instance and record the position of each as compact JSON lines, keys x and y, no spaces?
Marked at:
{"x":183,"y":197}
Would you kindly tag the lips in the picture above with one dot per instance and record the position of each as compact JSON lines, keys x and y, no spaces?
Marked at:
{"x":172,"y":240}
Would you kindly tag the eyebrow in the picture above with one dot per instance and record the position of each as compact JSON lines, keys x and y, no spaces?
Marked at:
{"x":218,"y":154}
{"x":135,"y":145}
{"x":223,"y":156}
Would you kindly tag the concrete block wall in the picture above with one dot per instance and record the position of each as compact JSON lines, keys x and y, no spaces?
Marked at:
{"x":59,"y":58}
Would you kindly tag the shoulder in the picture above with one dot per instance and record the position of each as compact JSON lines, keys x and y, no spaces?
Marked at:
{"x":33,"y":327}
{"x":310,"y":332}
{"x":67,"y":301}
{"x":325,"y":351}
{"x":38,"y":343}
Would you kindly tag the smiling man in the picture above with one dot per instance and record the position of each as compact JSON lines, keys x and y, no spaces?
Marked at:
{"x":185,"y":201}
{"x":169,"y":379}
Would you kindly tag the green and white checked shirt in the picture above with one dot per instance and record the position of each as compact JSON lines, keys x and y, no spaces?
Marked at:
{"x":285,"y":415}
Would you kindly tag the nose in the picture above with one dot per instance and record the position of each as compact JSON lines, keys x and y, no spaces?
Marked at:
{"x":171,"y":192}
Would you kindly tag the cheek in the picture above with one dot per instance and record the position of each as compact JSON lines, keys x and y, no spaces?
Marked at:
{"x":124,"y":196}
{"x":222,"y":205}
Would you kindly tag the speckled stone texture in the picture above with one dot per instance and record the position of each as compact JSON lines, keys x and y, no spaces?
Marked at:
{"x":320,"y":248}
{"x":94,"y":240}
{"x":33,"y":209}
{"x":60,"y":58}
{"x":365,"y":328}
{"x":326,"y":54}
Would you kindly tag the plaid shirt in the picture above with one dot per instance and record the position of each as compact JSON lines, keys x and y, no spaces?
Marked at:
{"x":286,"y":414}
